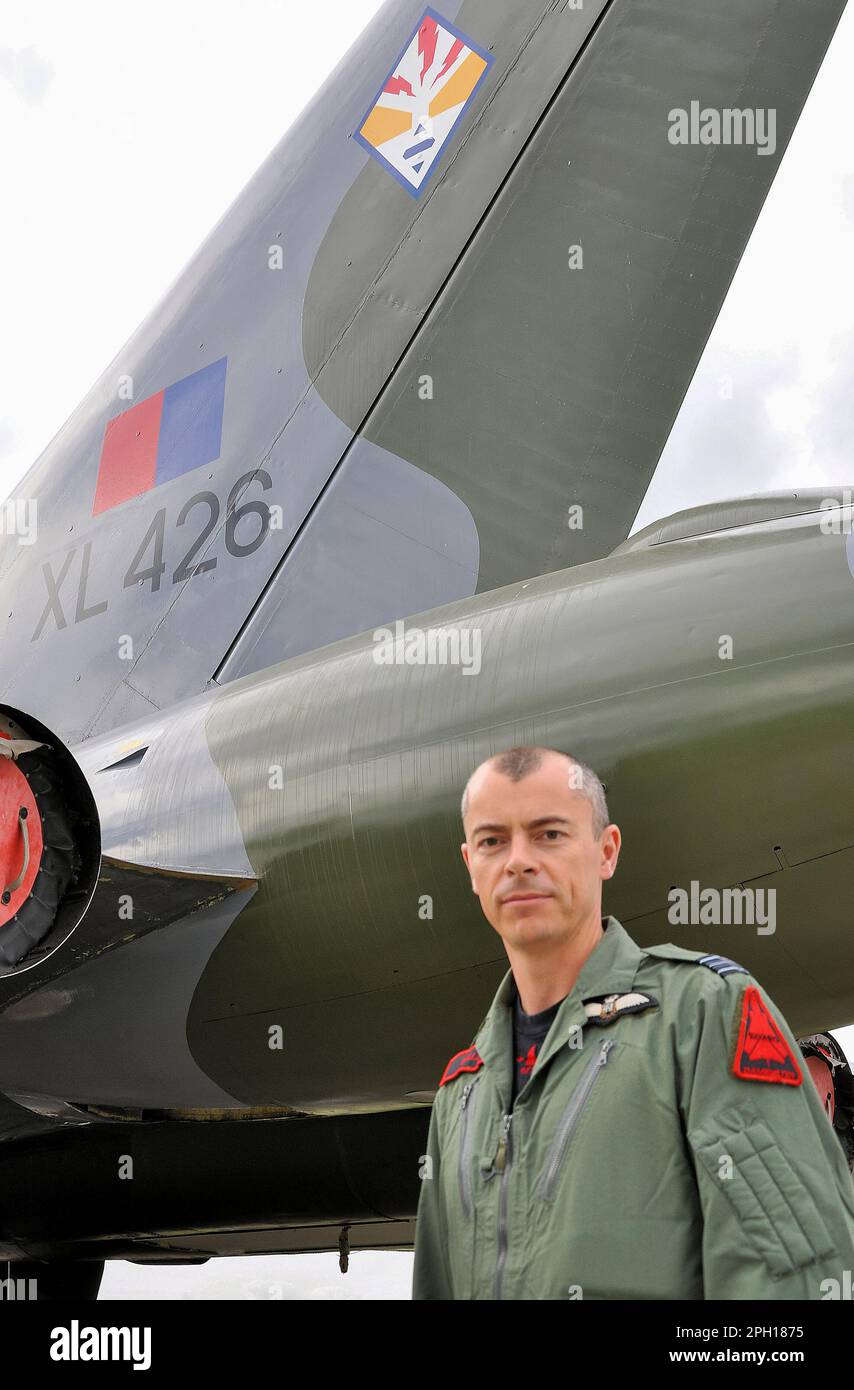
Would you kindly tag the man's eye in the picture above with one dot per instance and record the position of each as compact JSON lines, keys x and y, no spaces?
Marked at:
{"x":488,"y":841}
{"x":554,"y":832}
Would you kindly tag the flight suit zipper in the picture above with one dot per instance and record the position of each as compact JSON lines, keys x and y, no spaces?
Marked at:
{"x":570,"y":1119}
{"x":503,"y":1159}
{"x":501,"y":1164}
{"x":466,"y":1112}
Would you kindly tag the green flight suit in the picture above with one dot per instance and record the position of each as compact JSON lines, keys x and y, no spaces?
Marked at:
{"x":636,"y":1165}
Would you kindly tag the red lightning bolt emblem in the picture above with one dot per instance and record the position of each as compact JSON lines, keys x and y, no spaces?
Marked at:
{"x":428,"y":37}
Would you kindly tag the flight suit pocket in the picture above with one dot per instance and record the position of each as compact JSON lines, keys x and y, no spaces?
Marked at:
{"x":548,"y":1179}
{"x":774,"y":1207}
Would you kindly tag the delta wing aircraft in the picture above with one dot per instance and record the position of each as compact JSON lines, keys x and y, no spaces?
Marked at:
{"x":346,"y":515}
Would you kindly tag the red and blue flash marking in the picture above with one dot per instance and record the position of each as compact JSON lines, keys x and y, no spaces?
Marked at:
{"x":162,"y":437}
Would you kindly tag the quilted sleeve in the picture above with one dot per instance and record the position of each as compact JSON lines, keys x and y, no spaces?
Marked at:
{"x":776,"y":1193}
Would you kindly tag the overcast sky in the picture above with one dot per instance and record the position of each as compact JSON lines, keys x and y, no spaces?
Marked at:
{"x":127,"y":132}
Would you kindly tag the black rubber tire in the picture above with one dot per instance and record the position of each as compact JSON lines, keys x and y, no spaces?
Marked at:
{"x":58,"y":1280}
{"x":60,"y":864}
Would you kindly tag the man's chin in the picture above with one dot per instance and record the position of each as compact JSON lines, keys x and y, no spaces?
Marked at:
{"x":536,"y":922}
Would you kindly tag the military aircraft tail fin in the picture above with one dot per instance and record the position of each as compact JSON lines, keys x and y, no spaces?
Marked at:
{"x":434,"y":348}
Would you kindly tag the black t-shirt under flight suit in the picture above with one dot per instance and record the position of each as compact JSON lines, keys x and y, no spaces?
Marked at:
{"x":529,"y":1034}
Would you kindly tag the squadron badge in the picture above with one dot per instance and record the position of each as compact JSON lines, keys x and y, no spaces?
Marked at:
{"x":424,"y":96}
{"x":761,"y":1052}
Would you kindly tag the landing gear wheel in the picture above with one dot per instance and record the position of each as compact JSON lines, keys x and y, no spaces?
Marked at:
{"x":46,"y":862}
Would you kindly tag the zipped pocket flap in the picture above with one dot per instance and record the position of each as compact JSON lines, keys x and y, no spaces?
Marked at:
{"x":570,"y":1120}
{"x":467,"y":1106}
{"x":771,"y":1200}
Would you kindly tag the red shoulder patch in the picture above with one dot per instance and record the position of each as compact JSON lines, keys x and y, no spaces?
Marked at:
{"x":761,"y":1052}
{"x":467,"y":1060}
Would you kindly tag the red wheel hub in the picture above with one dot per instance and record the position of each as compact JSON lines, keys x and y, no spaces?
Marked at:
{"x":823,"y":1078}
{"x":15,"y":792}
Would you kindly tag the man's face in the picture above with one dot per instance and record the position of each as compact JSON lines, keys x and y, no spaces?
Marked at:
{"x":534,"y":861}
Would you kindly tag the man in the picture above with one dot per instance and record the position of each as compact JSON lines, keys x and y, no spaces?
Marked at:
{"x":628,"y":1123}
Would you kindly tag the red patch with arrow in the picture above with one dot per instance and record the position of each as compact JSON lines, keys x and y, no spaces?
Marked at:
{"x":467,"y":1060}
{"x":761,"y":1051}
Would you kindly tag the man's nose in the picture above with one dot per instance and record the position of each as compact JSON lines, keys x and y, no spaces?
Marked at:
{"x":521,"y":859}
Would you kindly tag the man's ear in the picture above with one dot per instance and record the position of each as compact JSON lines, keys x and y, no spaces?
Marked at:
{"x":611,"y":850}
{"x":465,"y":853}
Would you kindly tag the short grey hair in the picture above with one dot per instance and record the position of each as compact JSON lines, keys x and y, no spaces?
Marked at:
{"x":519,"y":762}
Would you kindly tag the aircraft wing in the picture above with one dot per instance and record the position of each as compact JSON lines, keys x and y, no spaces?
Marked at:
{"x":435,"y":347}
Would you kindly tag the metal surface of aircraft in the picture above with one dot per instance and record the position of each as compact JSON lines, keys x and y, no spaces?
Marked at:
{"x":425,"y":365}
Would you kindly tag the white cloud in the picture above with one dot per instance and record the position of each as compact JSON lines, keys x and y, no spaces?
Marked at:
{"x":28,"y":72}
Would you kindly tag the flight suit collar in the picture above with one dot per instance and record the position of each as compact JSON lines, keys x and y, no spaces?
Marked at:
{"x":609,"y":969}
